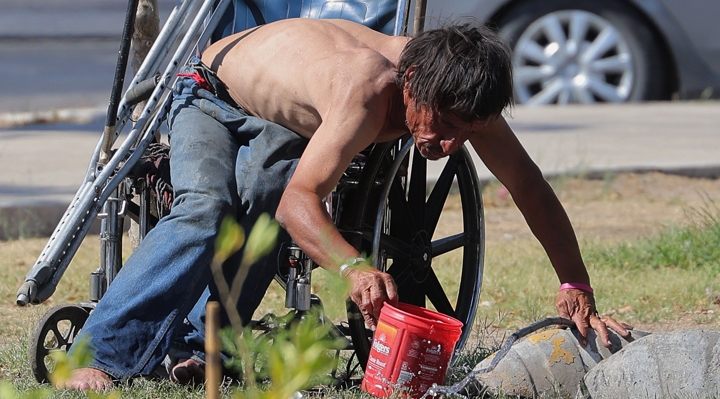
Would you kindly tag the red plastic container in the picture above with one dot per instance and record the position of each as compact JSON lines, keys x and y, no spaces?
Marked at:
{"x":412,"y":348}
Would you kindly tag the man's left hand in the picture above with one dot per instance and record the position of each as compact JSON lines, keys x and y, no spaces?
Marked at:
{"x":579,"y":306}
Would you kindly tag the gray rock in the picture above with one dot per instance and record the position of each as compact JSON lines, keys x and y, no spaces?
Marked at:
{"x":548,"y":362}
{"x":680,"y":364}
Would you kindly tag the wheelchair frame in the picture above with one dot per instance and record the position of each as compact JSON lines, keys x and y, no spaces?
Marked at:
{"x":373,"y":207}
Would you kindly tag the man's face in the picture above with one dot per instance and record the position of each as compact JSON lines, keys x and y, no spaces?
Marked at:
{"x":437,"y":134}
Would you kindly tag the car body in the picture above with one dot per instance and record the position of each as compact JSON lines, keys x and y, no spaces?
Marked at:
{"x":655,"y":49}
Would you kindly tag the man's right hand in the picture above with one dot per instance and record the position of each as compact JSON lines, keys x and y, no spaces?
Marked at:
{"x":370,"y":289}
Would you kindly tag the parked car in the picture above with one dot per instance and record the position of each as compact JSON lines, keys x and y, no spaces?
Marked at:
{"x":587,"y":51}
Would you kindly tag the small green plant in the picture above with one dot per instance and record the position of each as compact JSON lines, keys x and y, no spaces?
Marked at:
{"x":8,"y":391}
{"x":260,"y":242}
{"x":289,"y":359}
{"x":276,"y":365}
{"x":66,"y":363}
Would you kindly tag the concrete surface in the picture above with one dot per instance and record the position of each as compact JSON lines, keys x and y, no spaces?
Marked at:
{"x":548,"y":363}
{"x":678,"y":364}
{"x":41,"y":166}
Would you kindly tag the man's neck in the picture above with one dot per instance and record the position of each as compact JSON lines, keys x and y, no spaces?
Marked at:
{"x":397,"y":111}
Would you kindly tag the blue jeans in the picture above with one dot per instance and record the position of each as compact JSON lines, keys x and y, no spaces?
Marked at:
{"x":223,"y":162}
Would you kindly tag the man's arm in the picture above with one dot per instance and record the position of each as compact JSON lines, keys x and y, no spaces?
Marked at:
{"x":342,"y":135}
{"x":505,"y":157}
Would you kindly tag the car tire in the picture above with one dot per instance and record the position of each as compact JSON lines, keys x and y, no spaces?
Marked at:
{"x":569,"y":51}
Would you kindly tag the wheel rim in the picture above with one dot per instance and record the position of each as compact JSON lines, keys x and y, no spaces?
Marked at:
{"x":572,"y":56}
{"x":408,"y":246}
{"x":55,"y":331}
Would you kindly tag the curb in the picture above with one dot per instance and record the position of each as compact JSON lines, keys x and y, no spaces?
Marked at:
{"x":699,"y":172}
{"x":69,"y":115}
{"x":40,"y":219}
{"x":33,"y":221}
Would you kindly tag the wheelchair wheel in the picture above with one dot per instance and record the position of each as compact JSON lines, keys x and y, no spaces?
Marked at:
{"x":398,"y":216}
{"x":55,"y":331}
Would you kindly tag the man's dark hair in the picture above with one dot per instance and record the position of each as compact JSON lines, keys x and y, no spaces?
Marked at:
{"x":463,"y":69}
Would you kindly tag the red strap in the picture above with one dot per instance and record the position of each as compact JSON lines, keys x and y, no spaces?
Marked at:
{"x":197,"y":78}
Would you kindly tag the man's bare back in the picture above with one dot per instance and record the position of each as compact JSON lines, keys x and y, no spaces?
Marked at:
{"x":297,"y":72}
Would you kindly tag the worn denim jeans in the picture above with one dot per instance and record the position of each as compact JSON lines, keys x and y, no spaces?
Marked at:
{"x":223,"y":162}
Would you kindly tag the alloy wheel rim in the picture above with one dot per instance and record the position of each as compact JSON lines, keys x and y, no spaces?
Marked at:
{"x":572,"y":56}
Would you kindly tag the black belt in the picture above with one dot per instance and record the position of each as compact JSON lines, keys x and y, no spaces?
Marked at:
{"x":217,"y":87}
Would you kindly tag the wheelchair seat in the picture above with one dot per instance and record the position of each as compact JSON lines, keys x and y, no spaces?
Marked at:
{"x":379,"y":15}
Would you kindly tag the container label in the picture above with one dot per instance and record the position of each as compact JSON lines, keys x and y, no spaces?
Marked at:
{"x":379,"y":366}
{"x":407,"y":354}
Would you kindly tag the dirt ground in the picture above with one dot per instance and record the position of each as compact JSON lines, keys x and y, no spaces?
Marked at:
{"x":617,"y":208}
{"x":620,"y":207}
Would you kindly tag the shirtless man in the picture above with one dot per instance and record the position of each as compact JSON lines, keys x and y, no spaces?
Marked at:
{"x":306,"y":96}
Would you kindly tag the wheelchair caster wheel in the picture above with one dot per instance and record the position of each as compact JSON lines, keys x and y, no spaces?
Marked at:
{"x":55,"y":331}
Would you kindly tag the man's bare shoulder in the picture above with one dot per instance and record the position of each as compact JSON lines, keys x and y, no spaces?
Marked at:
{"x":307,"y":36}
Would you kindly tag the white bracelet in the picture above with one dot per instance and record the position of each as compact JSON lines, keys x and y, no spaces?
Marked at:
{"x":350,"y":263}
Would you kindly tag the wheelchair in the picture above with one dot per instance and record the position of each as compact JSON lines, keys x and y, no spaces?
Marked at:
{"x":383,"y":204}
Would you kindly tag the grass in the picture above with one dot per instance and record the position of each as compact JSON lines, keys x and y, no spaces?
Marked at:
{"x":692,"y":246}
{"x":661,"y":278}
{"x":674,"y":272}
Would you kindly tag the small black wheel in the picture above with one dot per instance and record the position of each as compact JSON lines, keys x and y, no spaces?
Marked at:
{"x":397,"y":219}
{"x":568,"y":51}
{"x":55,"y":331}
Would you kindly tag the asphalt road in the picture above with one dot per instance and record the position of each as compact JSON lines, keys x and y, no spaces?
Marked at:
{"x":60,"y":53}
{"x":45,"y":74}
{"x":67,"y":18}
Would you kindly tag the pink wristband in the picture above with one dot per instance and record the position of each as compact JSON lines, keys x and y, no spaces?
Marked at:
{"x":577,"y":286}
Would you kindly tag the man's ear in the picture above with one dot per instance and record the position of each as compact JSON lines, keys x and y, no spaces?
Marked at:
{"x":407,"y":92}
{"x":409,"y":73}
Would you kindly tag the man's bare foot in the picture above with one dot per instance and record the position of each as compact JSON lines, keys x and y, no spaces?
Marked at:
{"x":87,"y":379}
{"x":189,"y":371}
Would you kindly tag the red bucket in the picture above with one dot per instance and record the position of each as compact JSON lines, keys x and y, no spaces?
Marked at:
{"x":412,"y":348}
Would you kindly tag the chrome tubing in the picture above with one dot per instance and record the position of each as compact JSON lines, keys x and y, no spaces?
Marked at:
{"x":101,"y":181}
{"x":401,"y":16}
{"x":169,"y":34}
{"x":137,"y":142}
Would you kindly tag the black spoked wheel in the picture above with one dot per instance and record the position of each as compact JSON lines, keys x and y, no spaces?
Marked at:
{"x":55,"y":331}
{"x":438,"y":265}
